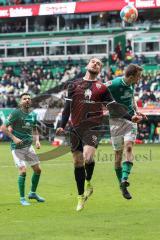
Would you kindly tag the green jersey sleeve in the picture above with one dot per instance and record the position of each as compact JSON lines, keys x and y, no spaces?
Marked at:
{"x":35,"y":120}
{"x":112,"y":85}
{"x":11,"y":119}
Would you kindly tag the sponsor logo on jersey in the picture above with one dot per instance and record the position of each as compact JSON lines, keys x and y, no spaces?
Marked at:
{"x":88,"y":94}
{"x":98,"y":85}
{"x":27,"y":125}
{"x":126,"y":95}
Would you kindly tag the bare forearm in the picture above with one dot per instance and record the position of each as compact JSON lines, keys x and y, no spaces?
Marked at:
{"x":36,"y":134}
{"x":7,"y":132}
{"x":135,"y":105}
{"x":37,"y":137}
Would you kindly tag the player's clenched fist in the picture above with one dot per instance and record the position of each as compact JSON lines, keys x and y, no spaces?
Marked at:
{"x":59,"y":131}
{"x":38,"y":145}
{"x":137,"y":118}
{"x":141,"y":114}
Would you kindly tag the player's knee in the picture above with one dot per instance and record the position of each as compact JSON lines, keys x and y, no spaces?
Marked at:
{"x":78,"y":159}
{"x":22,"y":171}
{"x":78,"y":163}
{"x":129,"y":148}
{"x":38,"y":171}
{"x":89,"y":160}
{"x":88,"y":157}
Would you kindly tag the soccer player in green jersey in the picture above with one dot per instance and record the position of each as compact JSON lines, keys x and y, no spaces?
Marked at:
{"x":123,"y":132}
{"x":22,"y":123}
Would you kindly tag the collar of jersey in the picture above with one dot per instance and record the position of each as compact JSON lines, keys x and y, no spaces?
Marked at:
{"x":124,"y":83}
{"x":24,"y":112}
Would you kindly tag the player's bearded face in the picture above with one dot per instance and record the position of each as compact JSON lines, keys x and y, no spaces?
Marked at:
{"x":26,"y":102}
{"x":94,"y":66}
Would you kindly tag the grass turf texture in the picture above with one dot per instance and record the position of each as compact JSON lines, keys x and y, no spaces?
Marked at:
{"x":106,"y":215}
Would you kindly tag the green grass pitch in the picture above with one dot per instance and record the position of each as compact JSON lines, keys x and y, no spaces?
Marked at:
{"x":106,"y":216}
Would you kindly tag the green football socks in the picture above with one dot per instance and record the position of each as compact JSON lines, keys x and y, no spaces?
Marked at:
{"x":126,"y":169}
{"x":34,"y":181}
{"x":21,"y":185}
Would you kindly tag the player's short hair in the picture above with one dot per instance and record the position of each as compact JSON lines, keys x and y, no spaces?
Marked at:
{"x":97,"y":58}
{"x":132,"y":70}
{"x":24,"y":94}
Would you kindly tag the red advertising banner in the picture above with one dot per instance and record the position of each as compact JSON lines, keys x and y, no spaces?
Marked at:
{"x":57,"y":8}
{"x":100,"y":6}
{"x":19,"y":11}
{"x":111,"y":5}
{"x":73,"y":7}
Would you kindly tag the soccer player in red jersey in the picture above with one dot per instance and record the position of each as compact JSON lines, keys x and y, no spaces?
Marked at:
{"x":85,"y":101}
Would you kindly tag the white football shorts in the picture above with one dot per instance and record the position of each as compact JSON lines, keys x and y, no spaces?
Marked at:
{"x":25,"y":155}
{"x":122,"y":130}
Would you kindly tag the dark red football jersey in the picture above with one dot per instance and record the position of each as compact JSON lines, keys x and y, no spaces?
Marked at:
{"x":86,"y":101}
